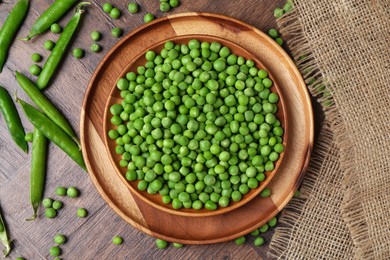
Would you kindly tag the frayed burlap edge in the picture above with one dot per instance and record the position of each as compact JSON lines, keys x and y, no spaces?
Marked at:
{"x":319,"y":87}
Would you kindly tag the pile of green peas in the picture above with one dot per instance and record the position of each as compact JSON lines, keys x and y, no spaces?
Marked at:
{"x":197,"y":125}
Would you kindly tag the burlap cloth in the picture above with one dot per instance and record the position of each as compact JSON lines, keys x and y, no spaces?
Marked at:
{"x":342,"y":47}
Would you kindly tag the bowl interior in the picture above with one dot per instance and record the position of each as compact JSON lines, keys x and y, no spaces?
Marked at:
{"x":155,"y":200}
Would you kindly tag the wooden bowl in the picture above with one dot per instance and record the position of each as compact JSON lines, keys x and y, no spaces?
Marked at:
{"x":208,"y":229}
{"x":155,"y":200}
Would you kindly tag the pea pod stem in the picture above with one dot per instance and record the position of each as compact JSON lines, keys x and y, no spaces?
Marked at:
{"x":38,"y":170}
{"x":52,"y":132}
{"x":45,"y":105}
{"x":12,"y":119}
{"x":10,"y":28}
{"x":59,"y":49}
{"x":4,"y":237}
{"x":50,"y":16}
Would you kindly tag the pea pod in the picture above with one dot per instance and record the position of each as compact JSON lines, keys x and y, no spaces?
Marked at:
{"x":38,"y":170}
{"x":45,"y":105}
{"x":10,"y":27}
{"x":4,"y":237}
{"x":52,"y":132}
{"x":12,"y":119}
{"x":50,"y":16}
{"x":59,"y":49}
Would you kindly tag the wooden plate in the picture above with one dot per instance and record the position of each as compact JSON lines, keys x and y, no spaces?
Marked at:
{"x":155,"y":200}
{"x":211,"y":229}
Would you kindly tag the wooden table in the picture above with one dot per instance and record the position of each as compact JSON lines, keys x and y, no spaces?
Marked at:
{"x":90,"y":238}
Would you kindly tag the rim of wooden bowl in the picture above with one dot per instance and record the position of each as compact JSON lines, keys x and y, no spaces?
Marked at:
{"x":155,"y":199}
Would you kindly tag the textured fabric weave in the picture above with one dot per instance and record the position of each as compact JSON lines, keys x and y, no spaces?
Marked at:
{"x":342,"y":48}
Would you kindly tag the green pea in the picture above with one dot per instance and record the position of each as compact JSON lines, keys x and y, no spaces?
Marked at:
{"x":47,"y":203}
{"x":57,"y":204}
{"x":59,"y":239}
{"x":96,"y":47}
{"x":259,"y":241}
{"x":72,"y":192}
{"x":36,"y":57}
{"x":50,"y":213}
{"x":55,"y":28}
{"x":161,"y":244}
{"x":174,"y":3}
{"x":117,"y":240}
{"x":148,"y":17}
{"x":240,"y":241}
{"x":177,"y":245}
{"x":115,"y":13}
{"x":82,"y":213}
{"x":133,"y":8}
{"x":78,"y":53}
{"x":55,"y":251}
{"x":35,"y":70}
{"x":49,"y":45}
{"x":278,"y":12}
{"x":272,"y":222}
{"x":116,"y":32}
{"x":107,"y":7}
{"x":265,"y":193}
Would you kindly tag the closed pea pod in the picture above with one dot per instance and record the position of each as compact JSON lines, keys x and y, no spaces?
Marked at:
{"x":10,"y":27}
{"x":4,"y":237}
{"x":53,"y":132}
{"x":45,"y":105}
{"x":59,"y":50}
{"x":50,"y":16}
{"x":38,"y":170}
{"x":12,"y":119}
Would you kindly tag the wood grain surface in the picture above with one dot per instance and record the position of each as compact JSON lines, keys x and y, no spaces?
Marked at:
{"x":90,"y":238}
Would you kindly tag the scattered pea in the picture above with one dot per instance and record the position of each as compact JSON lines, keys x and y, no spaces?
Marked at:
{"x":133,"y":8}
{"x":35,"y":69}
{"x":259,"y":241}
{"x":273,"y":33}
{"x":107,"y":7}
{"x":161,"y":244}
{"x":264,"y":228}
{"x":96,"y":36}
{"x":49,"y":45}
{"x":96,"y":47}
{"x":82,"y":213}
{"x":297,"y":193}
{"x":117,"y":240}
{"x":55,"y":28}
{"x":240,"y":241}
{"x":72,"y":192}
{"x":59,"y":239}
{"x":115,"y":13}
{"x":116,"y":32}
{"x":29,"y":137}
{"x":174,"y":3}
{"x":36,"y":57}
{"x":78,"y":53}
{"x":278,"y":12}
{"x":165,"y":7}
{"x":178,"y":245}
{"x":287,"y":7}
{"x":55,"y":251}
{"x":272,"y":222}
{"x":47,"y":203}
{"x":57,"y":204}
{"x":50,"y":213}
{"x":20,"y":258}
{"x":148,"y":17}
{"x":279,"y":41}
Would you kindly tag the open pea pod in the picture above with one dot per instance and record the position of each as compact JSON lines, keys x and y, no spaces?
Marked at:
{"x":4,"y":237}
{"x":50,"y":16}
